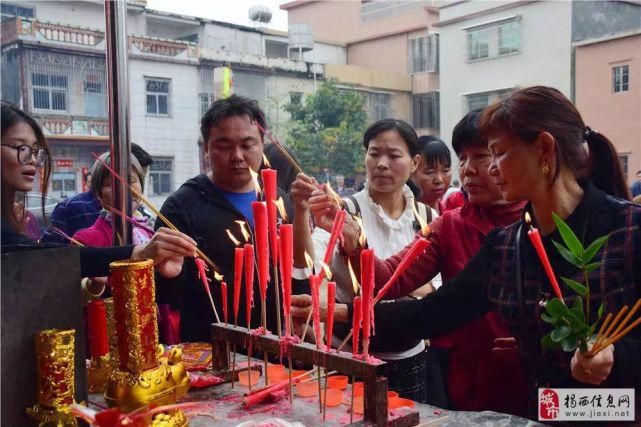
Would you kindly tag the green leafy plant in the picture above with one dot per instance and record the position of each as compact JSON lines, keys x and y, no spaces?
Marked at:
{"x":572,"y":327}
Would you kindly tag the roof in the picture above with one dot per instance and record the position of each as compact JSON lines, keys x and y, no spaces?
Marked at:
{"x":608,"y":37}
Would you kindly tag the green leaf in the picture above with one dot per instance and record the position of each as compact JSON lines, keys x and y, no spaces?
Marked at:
{"x":569,"y":344}
{"x":546,"y":342}
{"x":560,"y":333}
{"x":569,"y":256}
{"x":601,"y":310}
{"x":568,"y":236}
{"x":594,"y":247}
{"x":578,"y":303}
{"x":549,"y":319}
{"x":580,"y":315}
{"x":593,"y":266}
{"x":576,"y":286}
{"x":556,"y":308}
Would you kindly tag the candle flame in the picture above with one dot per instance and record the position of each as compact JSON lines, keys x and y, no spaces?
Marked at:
{"x":309,"y":261}
{"x":256,"y":182}
{"x":425,"y":229}
{"x":232,"y":238}
{"x":355,"y":285}
{"x":362,"y":238}
{"x":333,"y":195}
{"x":528,"y":219}
{"x":328,"y":271}
{"x":243,"y":229}
{"x":266,"y":162}
{"x":280,"y":204}
{"x":219,"y":277}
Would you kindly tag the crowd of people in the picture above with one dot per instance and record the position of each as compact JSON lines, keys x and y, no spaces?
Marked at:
{"x":461,"y":327}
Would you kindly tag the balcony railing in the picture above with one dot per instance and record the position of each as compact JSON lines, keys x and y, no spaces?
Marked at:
{"x":72,"y":126}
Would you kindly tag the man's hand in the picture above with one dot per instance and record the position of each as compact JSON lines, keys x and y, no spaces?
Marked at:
{"x":592,"y":370}
{"x":167,"y":248}
{"x":301,"y":190}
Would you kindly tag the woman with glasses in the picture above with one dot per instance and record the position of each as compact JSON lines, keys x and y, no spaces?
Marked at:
{"x":24,"y":159}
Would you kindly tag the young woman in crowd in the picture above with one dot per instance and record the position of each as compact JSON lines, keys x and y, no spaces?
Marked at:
{"x":536,"y":137}
{"x":101,"y":232}
{"x":25,"y":153}
{"x":386,"y":206}
{"x":433,"y":175}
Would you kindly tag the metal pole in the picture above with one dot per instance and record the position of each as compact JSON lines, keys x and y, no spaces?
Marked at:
{"x":118,"y":85}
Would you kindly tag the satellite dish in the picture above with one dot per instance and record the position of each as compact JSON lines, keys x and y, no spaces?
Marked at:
{"x":261,"y":14}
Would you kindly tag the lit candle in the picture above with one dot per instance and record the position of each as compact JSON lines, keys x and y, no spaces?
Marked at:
{"x":269,"y":187}
{"x":239,"y":255}
{"x":97,"y":322}
{"x":367,"y":286}
{"x":262,"y":249}
{"x":331,"y":302}
{"x":223,"y":294}
{"x":337,"y":228}
{"x":314,"y":284}
{"x":249,"y":281}
{"x":356,"y":324}
{"x":286,"y":264}
{"x":535,"y":238}
{"x":414,"y":252}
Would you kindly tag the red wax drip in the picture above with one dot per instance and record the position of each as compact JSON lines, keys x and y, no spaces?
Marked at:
{"x":239,"y":255}
{"x":249,"y":281}
{"x":535,"y":238}
{"x":262,"y":249}
{"x":97,"y":320}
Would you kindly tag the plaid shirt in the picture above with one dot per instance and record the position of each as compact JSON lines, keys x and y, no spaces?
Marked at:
{"x":616,"y":283}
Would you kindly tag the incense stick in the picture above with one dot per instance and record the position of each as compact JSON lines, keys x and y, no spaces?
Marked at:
{"x":61,"y":233}
{"x":269,"y":135}
{"x":129,"y":219}
{"x":309,"y":316}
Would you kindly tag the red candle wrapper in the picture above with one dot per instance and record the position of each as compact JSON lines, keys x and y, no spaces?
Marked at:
{"x":262,"y":249}
{"x":97,"y":323}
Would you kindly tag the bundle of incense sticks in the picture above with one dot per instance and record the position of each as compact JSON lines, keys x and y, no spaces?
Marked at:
{"x":610,"y":333}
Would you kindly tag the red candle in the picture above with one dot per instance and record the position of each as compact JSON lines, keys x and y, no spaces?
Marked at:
{"x":535,"y":238}
{"x":314,"y":284}
{"x":417,"y":249}
{"x":223,"y":294}
{"x":249,"y":281}
{"x":269,"y":187}
{"x":331,"y":302}
{"x":286,"y":263}
{"x":239,"y":255}
{"x":356,"y":324}
{"x":97,"y":322}
{"x":262,"y":249}
{"x":367,"y":286}
{"x":337,"y":228}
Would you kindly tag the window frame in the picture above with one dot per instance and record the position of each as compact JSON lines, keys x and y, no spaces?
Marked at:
{"x":492,"y":40}
{"x":621,"y":78}
{"x":426,"y":110}
{"x":157,"y":95}
{"x":155,"y":175}
{"x":51,"y":91}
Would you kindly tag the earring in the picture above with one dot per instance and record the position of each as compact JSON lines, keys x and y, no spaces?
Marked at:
{"x":546,"y":168}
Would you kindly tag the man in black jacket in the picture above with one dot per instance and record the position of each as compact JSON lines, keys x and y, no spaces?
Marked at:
{"x":208,"y":205}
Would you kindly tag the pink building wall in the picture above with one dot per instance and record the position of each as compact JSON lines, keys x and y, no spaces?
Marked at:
{"x":616,"y":115}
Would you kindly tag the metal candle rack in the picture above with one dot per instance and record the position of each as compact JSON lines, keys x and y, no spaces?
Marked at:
{"x":375,"y":396}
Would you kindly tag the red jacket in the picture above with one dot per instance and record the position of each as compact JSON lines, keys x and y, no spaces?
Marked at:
{"x":101,"y":233}
{"x":477,"y":379}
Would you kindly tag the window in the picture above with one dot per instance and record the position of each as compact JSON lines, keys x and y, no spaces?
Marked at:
{"x":623,"y":158}
{"x":95,"y":96}
{"x":424,"y":54}
{"x":12,"y":10}
{"x":49,"y":91}
{"x":161,"y":175}
{"x":620,"y":78}
{"x":206,"y":99}
{"x":379,"y":106}
{"x":495,"y":39}
{"x":276,"y":49}
{"x":426,"y":110}
{"x":483,"y":99}
{"x":157,"y":96}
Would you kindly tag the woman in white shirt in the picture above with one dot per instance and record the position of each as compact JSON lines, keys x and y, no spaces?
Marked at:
{"x":386,"y":206}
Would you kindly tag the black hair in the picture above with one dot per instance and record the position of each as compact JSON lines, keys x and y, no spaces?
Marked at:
{"x":234,"y":105}
{"x":434,"y":151}
{"x":12,"y":115}
{"x":405,"y":131}
{"x":143,"y":157}
{"x":466,"y":133}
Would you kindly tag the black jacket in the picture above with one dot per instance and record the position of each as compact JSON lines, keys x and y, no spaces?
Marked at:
{"x":199,"y":210}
